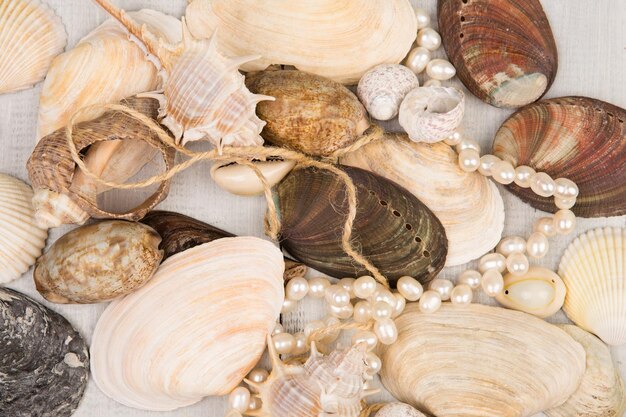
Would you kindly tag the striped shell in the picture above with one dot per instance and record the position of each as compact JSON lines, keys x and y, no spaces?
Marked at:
{"x":382,"y":89}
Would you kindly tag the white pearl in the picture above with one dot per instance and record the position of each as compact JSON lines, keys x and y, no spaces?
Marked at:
{"x":467,"y":143}
{"x":428,"y":38}
{"x":430,"y":302}
{"x":386,"y":331}
{"x":469,"y":160}
{"x":297,"y":289}
{"x":523,"y":176}
{"x":300,"y":346}
{"x":454,"y":139}
{"x":492,"y":282}
{"x":317,"y":287}
{"x":432,"y":83}
{"x":462,"y":295}
{"x":288,"y":306}
{"x":337,"y":296}
{"x":312,"y":327}
{"x":545,"y":225}
{"x":284,"y":343}
{"x":400,"y":305}
{"x":348,"y":285}
{"x":492,"y":261}
{"x":564,"y":221}
{"x":417,"y":59}
{"x":537,"y":245}
{"x":383,"y":294}
{"x":423,"y":19}
{"x":503,"y":172}
{"x":364,"y":287}
{"x":330,"y":337}
{"x":470,"y":278}
{"x":511,"y":244}
{"x":362,"y":312}
{"x":410,"y":288}
{"x":343,"y":312}
{"x":440,"y":69}
{"x":517,"y":263}
{"x":565,"y":203}
{"x":257,"y":376}
{"x":382,"y":310}
{"x":255,"y":404}
{"x":239,"y":399}
{"x":565,"y":188}
{"x":278,"y":328}
{"x":367,"y":337}
{"x":373,"y":363}
{"x":443,"y":287}
{"x":542,"y":184}
{"x":486,"y":162}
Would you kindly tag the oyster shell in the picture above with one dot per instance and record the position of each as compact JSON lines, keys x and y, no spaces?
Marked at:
{"x":481,"y":361}
{"x":503,"y":50}
{"x":319,"y":38}
{"x":44,"y":361}
{"x":564,"y":137}
{"x":242,"y":180}
{"x":382,"y":89}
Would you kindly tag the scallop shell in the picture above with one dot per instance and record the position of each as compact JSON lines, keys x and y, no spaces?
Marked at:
{"x":31,"y":35}
{"x":44,"y":361}
{"x":229,"y":291}
{"x":21,"y":240}
{"x":382,"y":89}
{"x":594,"y":272}
{"x":481,"y":361}
{"x":104,"y":67}
{"x":467,"y":204}
{"x":503,"y":50}
{"x":311,"y":114}
{"x":540,"y":292}
{"x":319,"y":38}
{"x":242,"y":180}
{"x":398,"y":410}
{"x":564,"y":137}
{"x":392,"y":228}
{"x":601,"y":392}
{"x":431,"y":114}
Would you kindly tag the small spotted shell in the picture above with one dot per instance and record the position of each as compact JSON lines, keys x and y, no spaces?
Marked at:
{"x":382,"y":89}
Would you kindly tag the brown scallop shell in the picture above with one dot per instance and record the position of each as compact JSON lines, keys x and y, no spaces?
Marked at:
{"x":578,"y":138}
{"x":503,"y":50}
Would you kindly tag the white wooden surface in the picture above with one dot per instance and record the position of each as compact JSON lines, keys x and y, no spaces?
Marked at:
{"x":591,"y":37}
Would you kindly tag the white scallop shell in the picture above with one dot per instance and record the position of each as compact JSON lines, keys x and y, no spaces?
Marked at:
{"x":31,"y":35}
{"x":242,"y":180}
{"x":21,"y":240}
{"x":382,"y":89}
{"x":398,"y":410}
{"x":594,"y":271}
{"x":195,"y":329}
{"x":431,"y":114}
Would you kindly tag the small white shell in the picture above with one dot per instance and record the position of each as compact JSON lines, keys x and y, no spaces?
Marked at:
{"x":241,"y":180}
{"x":398,"y":410}
{"x":431,"y":114}
{"x":382,"y":89}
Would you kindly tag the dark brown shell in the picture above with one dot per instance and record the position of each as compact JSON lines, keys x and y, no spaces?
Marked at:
{"x":503,"y":50}
{"x":311,"y":114}
{"x":393,"y":229}
{"x":578,"y":138}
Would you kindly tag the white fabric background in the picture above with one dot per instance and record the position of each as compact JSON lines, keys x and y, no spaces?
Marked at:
{"x":591,"y":37}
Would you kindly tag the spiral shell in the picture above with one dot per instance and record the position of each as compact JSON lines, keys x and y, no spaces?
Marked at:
{"x":382,"y":89}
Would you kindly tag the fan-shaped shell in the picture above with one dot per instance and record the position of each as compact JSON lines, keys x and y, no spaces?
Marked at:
{"x":31,"y":35}
{"x":594,"y":271}
{"x":382,"y":89}
{"x":481,"y":361}
{"x":564,"y":137}
{"x":467,"y":204}
{"x":393,"y":229}
{"x":319,"y":38}
{"x":21,"y":240}
{"x":503,"y":50}
{"x":242,"y":180}
{"x":146,"y":350}
{"x":44,"y":361}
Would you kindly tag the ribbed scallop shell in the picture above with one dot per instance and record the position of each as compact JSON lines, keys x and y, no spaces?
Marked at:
{"x":564,"y":137}
{"x":393,"y":229}
{"x":21,"y":240}
{"x":31,"y":35}
{"x":382,"y":89}
{"x":481,"y":361}
{"x":467,"y":204}
{"x":319,"y":37}
{"x":503,"y":50}
{"x":194,"y":330}
{"x":594,"y":271}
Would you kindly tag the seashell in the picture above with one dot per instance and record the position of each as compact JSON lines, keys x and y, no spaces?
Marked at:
{"x":503,"y":50}
{"x":564,"y":137}
{"x":104,"y":67}
{"x":480,"y":361}
{"x":398,"y":410}
{"x":21,"y":240}
{"x":311,"y":114}
{"x":467,"y":204}
{"x":594,"y":272}
{"x":44,"y":361}
{"x":98,"y":262}
{"x":230,"y":291}
{"x":392,"y":228}
{"x":540,"y":292}
{"x":204,"y":95}
{"x":119,"y":146}
{"x":382,"y":89}
{"x":31,"y":35}
{"x":601,"y":392}
{"x":431,"y":114}
{"x":319,"y":38}
{"x":242,"y":180}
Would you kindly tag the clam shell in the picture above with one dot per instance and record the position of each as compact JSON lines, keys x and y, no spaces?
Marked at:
{"x":31,"y":35}
{"x":242,"y":180}
{"x":481,"y":361}
{"x":44,"y":361}
{"x":311,"y":114}
{"x":398,"y":410}
{"x":392,"y":229}
{"x":230,"y":291}
{"x":21,"y":240}
{"x":467,"y":204}
{"x":98,"y":262}
{"x":594,"y":272}
{"x":503,"y":50}
{"x":382,"y":89}
{"x":319,"y":38}
{"x":564,"y":137}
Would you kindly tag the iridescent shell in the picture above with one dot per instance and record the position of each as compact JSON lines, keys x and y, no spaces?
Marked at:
{"x":566,"y":137}
{"x":382,"y":89}
{"x":503,"y":50}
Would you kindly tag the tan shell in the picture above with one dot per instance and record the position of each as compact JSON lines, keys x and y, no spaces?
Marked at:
{"x":242,"y":180}
{"x":398,"y":410}
{"x":481,"y":361}
{"x":98,"y":262}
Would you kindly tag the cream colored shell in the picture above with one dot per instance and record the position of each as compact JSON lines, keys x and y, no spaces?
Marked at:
{"x":382,"y":89}
{"x":398,"y":410}
{"x":194,"y":330}
{"x":242,"y":180}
